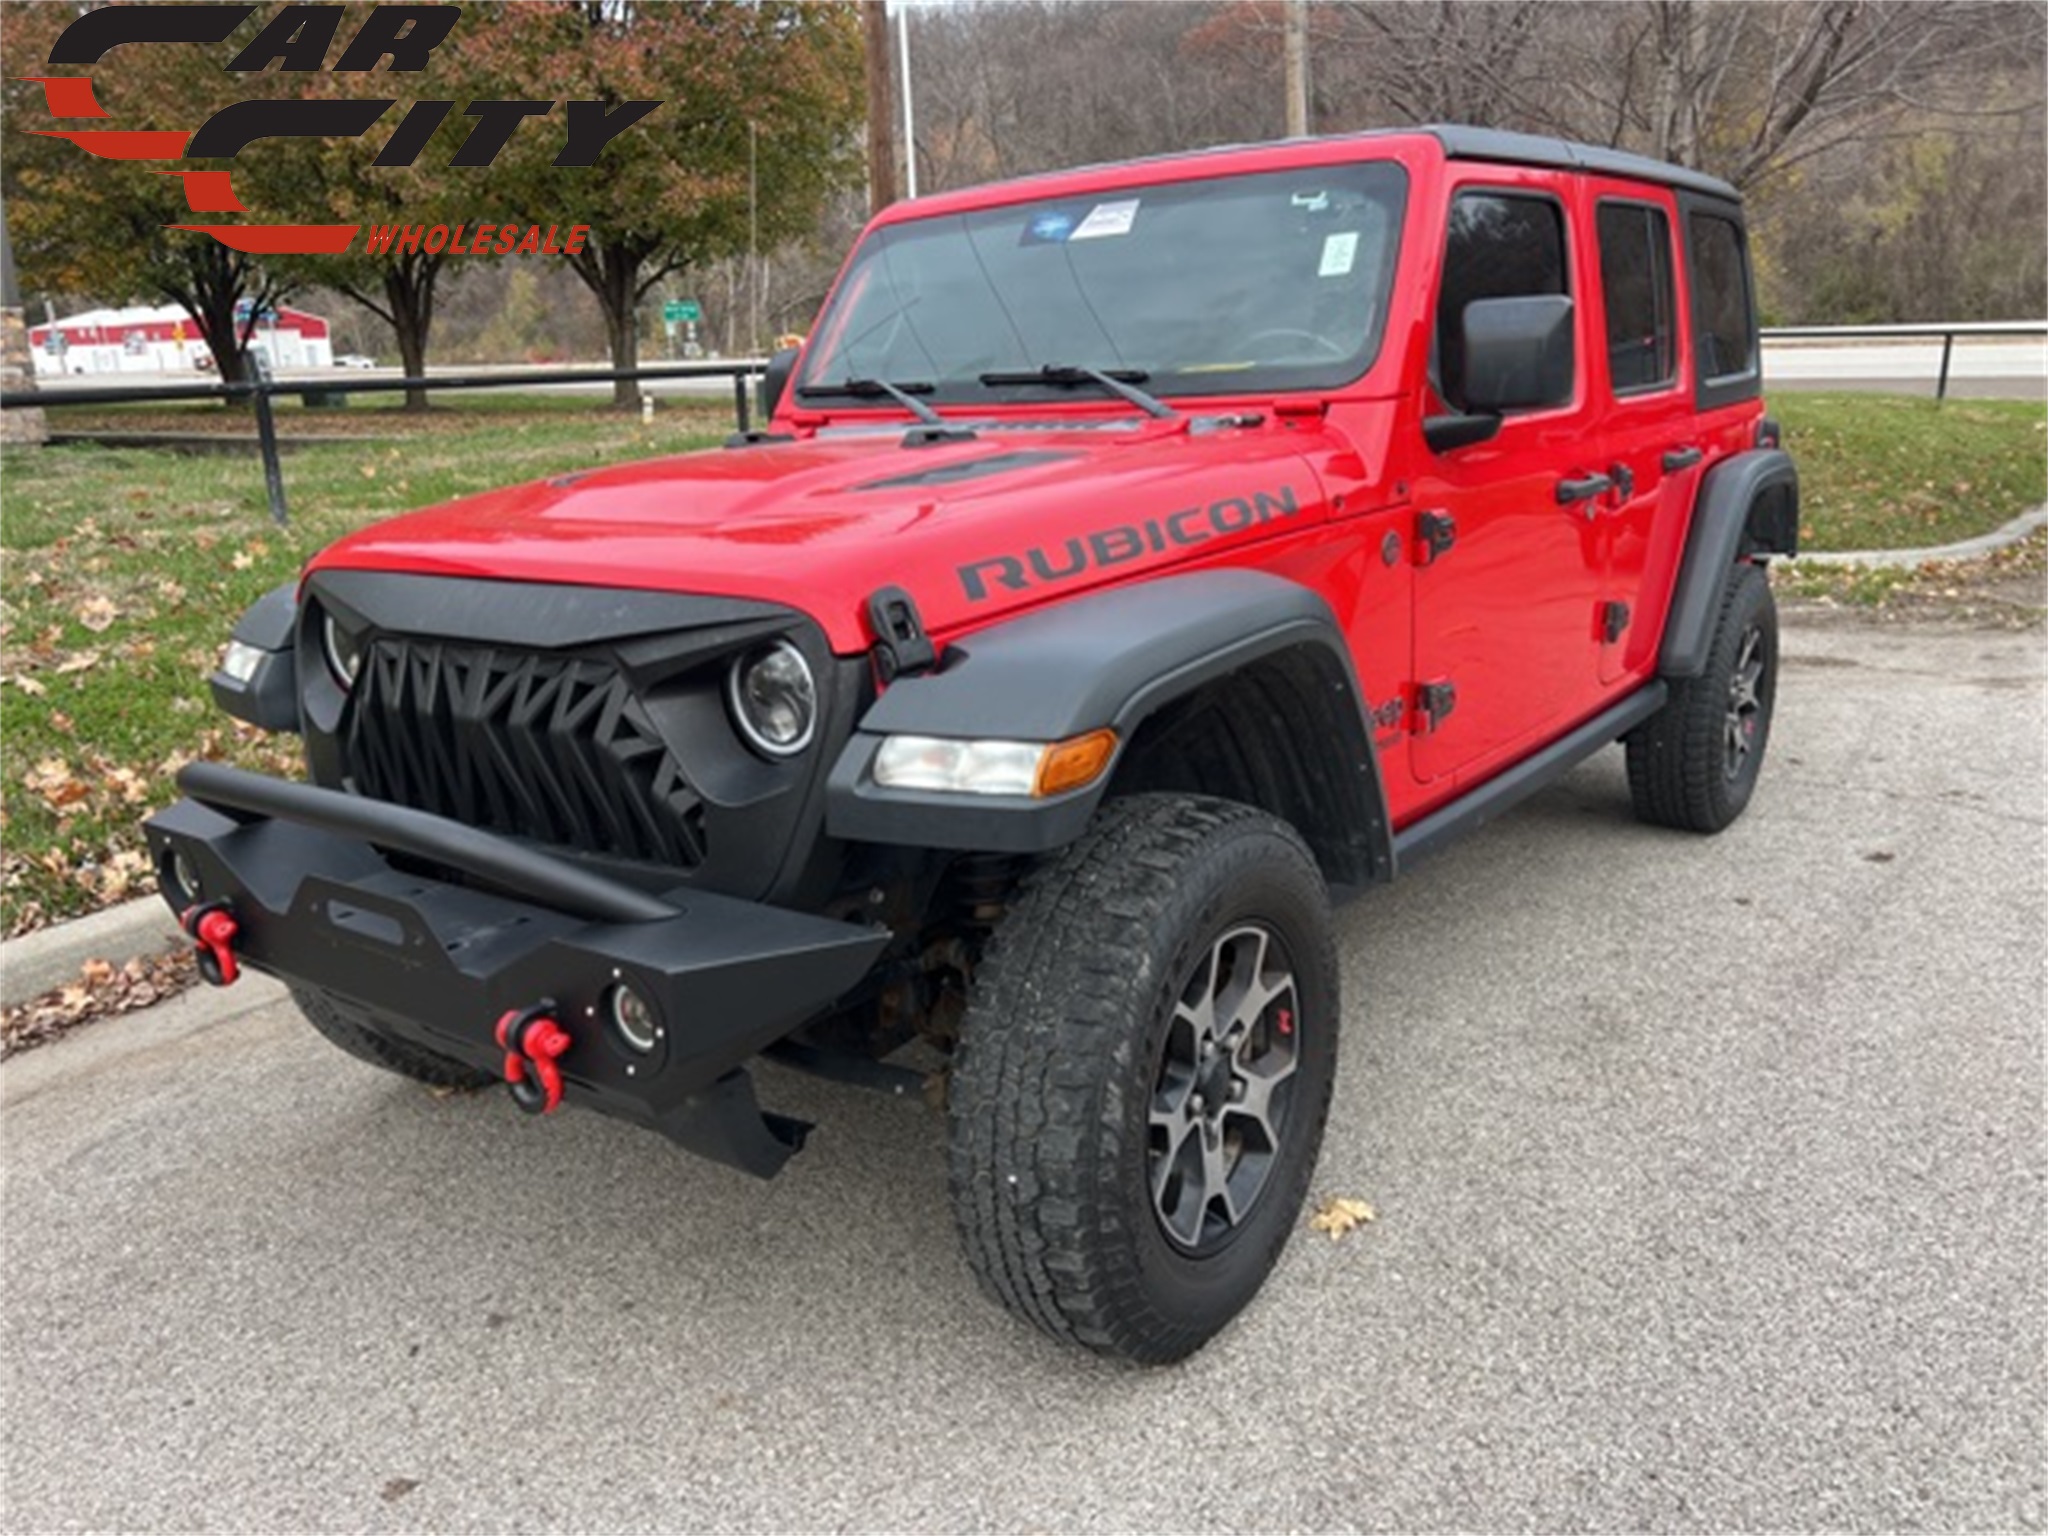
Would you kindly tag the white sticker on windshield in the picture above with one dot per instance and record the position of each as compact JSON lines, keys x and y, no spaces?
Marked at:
{"x":1339,"y":251}
{"x":1106,"y":219}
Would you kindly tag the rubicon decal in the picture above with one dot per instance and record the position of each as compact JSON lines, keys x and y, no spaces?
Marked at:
{"x":1046,"y":565}
{"x":297,"y":39}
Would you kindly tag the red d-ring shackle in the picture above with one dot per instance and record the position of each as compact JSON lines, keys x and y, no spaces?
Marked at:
{"x":532,"y":1040}
{"x":213,"y":927}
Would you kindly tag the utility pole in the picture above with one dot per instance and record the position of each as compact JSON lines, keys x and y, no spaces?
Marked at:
{"x":874,"y":16}
{"x":1297,"y":68}
{"x":909,"y":127}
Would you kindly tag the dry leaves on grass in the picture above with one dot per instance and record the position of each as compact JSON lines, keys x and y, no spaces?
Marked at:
{"x":1337,"y":1216}
{"x":53,"y":782}
{"x":66,"y":790}
{"x":101,"y":991}
{"x":97,"y":613}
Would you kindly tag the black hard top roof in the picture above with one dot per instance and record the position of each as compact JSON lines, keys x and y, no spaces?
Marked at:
{"x":1463,"y":143}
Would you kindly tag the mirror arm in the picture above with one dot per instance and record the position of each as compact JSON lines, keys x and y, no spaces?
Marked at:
{"x":1443,"y":433}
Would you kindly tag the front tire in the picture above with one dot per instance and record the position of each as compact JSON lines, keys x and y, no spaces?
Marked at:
{"x":1694,"y":764}
{"x":1144,"y":1074}
{"x":345,"y":1025}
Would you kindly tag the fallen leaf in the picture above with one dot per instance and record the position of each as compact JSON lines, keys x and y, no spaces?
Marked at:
{"x":29,"y":686}
{"x":242,"y":560}
{"x":77,"y":661}
{"x":97,"y":613}
{"x":1338,"y":1216}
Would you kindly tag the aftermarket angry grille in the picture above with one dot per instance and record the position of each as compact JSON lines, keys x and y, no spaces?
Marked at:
{"x":553,"y":748}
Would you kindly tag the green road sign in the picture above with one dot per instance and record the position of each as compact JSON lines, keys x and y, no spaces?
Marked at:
{"x":686,"y":310}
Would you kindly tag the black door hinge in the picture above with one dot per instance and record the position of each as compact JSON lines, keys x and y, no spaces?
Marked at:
{"x":1434,"y":703}
{"x":1438,"y":531}
{"x":1613,"y":620}
{"x":902,"y":648}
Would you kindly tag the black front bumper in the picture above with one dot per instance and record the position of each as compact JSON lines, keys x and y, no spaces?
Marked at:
{"x":322,"y":890}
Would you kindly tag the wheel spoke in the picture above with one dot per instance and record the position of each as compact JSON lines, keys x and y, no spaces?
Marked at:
{"x":1255,"y":1100}
{"x":1216,"y":1179}
{"x":1217,"y":1110}
{"x":1180,"y":1185}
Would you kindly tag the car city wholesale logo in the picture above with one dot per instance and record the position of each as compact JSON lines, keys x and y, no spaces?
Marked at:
{"x":297,"y":39}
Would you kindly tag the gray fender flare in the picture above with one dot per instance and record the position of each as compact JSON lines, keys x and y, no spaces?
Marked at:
{"x":1114,"y":659}
{"x":1747,"y":504}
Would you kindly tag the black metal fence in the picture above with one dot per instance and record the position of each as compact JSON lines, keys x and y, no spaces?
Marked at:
{"x":742,"y":371}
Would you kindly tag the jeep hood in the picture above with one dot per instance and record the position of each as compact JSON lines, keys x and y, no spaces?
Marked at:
{"x":970,"y":529}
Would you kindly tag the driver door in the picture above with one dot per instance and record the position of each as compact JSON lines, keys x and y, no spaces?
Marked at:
{"x":1504,"y":630}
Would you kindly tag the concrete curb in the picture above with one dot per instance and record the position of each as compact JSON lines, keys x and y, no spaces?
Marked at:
{"x":1965,"y":549}
{"x":50,"y":957}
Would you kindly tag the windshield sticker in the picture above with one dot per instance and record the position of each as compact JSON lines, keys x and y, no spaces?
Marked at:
{"x":1106,"y":219}
{"x":1311,"y":202}
{"x":1339,"y":251}
{"x":1048,"y":229}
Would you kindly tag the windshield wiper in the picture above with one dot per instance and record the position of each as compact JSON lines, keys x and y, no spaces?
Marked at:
{"x":874,"y":389}
{"x":1118,"y":381}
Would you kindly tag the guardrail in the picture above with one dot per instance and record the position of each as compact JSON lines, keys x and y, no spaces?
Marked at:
{"x":742,"y":372}
{"x":1948,"y":331}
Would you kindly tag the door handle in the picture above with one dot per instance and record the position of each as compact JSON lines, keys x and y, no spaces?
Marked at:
{"x":1583,"y":488}
{"x":1676,"y":459}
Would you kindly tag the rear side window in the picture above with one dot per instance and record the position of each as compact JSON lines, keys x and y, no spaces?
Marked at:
{"x":1501,"y":246}
{"x":1635,"y":276}
{"x":1721,"y":305}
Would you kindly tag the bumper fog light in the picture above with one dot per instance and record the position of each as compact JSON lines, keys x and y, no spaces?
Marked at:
{"x":179,"y":876}
{"x":632,"y":1019}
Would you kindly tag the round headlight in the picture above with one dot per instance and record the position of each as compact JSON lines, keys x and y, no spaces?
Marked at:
{"x":632,"y":1018}
{"x":774,"y":699}
{"x":344,"y":652}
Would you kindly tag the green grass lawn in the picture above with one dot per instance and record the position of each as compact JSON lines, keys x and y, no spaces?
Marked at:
{"x":1891,"y":472}
{"x":122,"y":570}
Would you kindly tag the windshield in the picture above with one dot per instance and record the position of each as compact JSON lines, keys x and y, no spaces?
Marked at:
{"x":1275,"y":281}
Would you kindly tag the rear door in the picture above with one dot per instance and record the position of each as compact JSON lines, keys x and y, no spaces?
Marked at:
{"x":1643,"y":392}
{"x":1503,"y":626}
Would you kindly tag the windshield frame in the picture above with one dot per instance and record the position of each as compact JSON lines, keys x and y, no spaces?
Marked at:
{"x":1385,"y":182}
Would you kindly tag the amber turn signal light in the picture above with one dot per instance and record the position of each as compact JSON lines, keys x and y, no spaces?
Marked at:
{"x":1074,"y":762}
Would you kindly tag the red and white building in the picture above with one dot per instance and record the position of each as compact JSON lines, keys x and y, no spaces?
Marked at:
{"x":165,"y":339}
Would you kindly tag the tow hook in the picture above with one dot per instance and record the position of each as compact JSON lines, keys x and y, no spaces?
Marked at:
{"x":213,"y":928}
{"x":532,"y":1040}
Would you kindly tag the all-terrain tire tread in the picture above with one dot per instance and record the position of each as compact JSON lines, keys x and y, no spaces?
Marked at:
{"x":1676,"y":775}
{"x":1032,"y":1161}
{"x":342,"y":1024}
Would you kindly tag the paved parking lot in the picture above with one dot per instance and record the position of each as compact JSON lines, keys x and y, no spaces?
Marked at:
{"x":1709,"y":1177}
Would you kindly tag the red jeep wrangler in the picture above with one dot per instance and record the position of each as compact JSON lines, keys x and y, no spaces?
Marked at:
{"x":1139,"y":553}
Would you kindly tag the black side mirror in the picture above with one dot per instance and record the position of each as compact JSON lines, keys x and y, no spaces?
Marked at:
{"x":776,"y":381}
{"x":1518,"y":352}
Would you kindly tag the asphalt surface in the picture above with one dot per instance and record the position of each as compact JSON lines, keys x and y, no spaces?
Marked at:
{"x":1709,"y":1177}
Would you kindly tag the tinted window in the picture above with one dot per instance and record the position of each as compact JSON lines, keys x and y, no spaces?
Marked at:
{"x":1720,"y":285}
{"x":1500,"y":247}
{"x":1635,"y":276}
